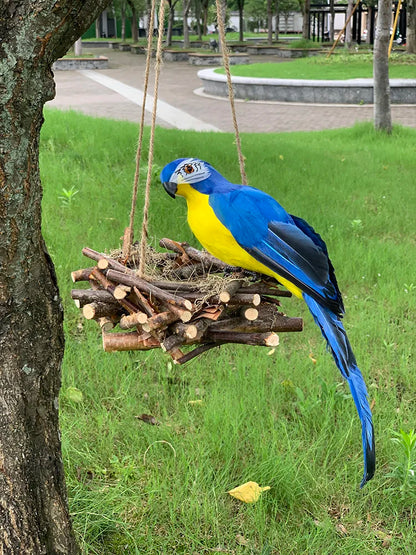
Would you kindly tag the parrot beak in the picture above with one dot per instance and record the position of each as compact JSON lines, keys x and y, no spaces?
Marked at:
{"x":170,"y":188}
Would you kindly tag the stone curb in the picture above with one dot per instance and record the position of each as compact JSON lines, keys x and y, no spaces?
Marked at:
{"x":351,"y":91}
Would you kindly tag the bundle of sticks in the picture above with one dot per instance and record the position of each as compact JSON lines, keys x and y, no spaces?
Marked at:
{"x":171,"y":313}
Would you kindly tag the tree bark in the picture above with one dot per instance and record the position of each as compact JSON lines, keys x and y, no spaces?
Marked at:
{"x":240,"y":7}
{"x":277,"y":16}
{"x":34,"y":515}
{"x":270,"y":22}
{"x":331,"y":21}
{"x":382,"y":108}
{"x":348,"y":30}
{"x":306,"y":6}
{"x":123,"y":20}
{"x":171,"y":19}
{"x":134,"y":27}
{"x":411,"y":27}
{"x":78,"y":48}
{"x":185,"y":14}
{"x":98,"y":27}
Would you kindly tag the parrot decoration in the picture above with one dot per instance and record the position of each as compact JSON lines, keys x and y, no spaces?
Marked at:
{"x":245,"y":227}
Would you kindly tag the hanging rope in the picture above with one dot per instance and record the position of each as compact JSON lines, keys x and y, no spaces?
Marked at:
{"x":145,"y":222}
{"x":128,"y":236}
{"x":226,"y":63}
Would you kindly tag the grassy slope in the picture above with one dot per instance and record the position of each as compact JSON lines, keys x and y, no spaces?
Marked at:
{"x":336,"y":67}
{"x":281,"y":420}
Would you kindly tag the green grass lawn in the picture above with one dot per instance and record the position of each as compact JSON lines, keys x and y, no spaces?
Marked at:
{"x":284,"y":420}
{"x":338,"y":66}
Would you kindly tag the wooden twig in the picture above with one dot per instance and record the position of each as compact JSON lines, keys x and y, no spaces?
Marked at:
{"x":106,"y":324}
{"x":197,"y":351}
{"x":237,"y":299}
{"x":86,"y":296}
{"x":250,"y":313}
{"x":229,"y":290}
{"x":143,"y":285}
{"x":104,"y":282}
{"x":81,"y":275}
{"x":96,"y":310}
{"x":133,"y":320}
{"x":268,"y":339}
{"x":143,"y":302}
{"x":128,"y":342}
{"x":200,"y":256}
{"x":160,"y":321}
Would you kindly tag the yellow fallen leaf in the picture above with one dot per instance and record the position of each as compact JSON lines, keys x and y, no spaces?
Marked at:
{"x":196,"y":402}
{"x":248,"y":492}
{"x":313,"y":359}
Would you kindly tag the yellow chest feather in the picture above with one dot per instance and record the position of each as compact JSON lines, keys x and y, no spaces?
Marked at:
{"x":218,"y":240}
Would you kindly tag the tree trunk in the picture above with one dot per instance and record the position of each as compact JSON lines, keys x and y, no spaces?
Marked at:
{"x":277,"y":16}
{"x":78,"y":48}
{"x":331,"y":21}
{"x":171,"y":19}
{"x":185,"y":13}
{"x":98,"y":27}
{"x":382,"y":109}
{"x":134,"y":27}
{"x":205,"y":5}
{"x":240,"y":5}
{"x":123,"y":20}
{"x":411,"y":27}
{"x":113,"y":9}
{"x":197,"y":8}
{"x":306,"y":4}
{"x":368,"y":27}
{"x":348,"y":30}
{"x":33,"y":510}
{"x":270,"y":22}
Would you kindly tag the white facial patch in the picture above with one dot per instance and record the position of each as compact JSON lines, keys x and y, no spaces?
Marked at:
{"x":190,"y":170}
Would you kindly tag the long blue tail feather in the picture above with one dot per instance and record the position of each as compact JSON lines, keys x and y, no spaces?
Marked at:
{"x":337,"y":340}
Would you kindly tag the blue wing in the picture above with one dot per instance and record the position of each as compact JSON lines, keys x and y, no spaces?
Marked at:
{"x":284,"y":243}
{"x":289,"y":246}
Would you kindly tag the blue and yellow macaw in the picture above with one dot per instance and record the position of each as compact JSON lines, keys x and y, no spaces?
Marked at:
{"x":246,"y":227}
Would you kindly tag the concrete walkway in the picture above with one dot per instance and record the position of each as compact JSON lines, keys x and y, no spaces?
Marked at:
{"x":117,"y":93}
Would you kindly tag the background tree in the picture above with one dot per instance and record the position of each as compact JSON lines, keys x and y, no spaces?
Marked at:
{"x":33,"y":510}
{"x":171,"y":20}
{"x":270,"y":14}
{"x":123,"y":7}
{"x":277,"y":16}
{"x":305,"y":8}
{"x":240,"y":7}
{"x":348,"y":29}
{"x":331,"y":30}
{"x":186,"y":5}
{"x":382,"y":109}
{"x":198,"y":22}
{"x":256,"y":10}
{"x":134,"y":25}
{"x":205,"y":5}
{"x":285,"y":8}
{"x":411,"y":27}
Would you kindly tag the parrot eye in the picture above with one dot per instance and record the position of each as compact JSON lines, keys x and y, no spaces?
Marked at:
{"x":188,"y":169}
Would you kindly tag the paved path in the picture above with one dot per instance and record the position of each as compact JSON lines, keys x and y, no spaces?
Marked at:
{"x":116,"y":93}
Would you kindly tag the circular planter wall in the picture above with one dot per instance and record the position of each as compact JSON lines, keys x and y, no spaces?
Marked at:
{"x":216,"y":59}
{"x":70,"y":64}
{"x":351,"y":91}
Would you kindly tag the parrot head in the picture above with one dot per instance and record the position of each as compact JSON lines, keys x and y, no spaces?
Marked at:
{"x":179,"y":175}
